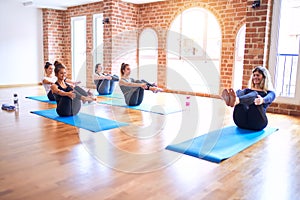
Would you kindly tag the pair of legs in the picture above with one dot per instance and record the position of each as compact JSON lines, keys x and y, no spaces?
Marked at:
{"x":50,"y":96}
{"x":246,"y":114}
{"x":69,"y":107}
{"x":85,"y":96}
{"x":152,"y":86}
{"x":134,"y":95}
{"x":105,"y":87}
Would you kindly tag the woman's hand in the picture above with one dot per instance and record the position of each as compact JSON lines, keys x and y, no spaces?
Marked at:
{"x":77,"y":83}
{"x":144,"y":86}
{"x":71,"y":94}
{"x":259,"y":100}
{"x":108,"y":77}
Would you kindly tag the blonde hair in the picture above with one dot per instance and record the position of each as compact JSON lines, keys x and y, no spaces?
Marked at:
{"x":266,"y":84}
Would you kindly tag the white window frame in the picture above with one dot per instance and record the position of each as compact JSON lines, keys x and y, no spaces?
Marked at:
{"x":189,"y":67}
{"x":239,"y":58}
{"x":148,"y":55}
{"x":97,"y":58}
{"x":78,"y":74}
{"x":273,"y":55}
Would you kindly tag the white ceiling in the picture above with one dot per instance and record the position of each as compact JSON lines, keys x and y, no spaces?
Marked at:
{"x":64,"y":4}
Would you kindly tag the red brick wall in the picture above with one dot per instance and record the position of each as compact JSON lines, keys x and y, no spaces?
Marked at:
{"x":120,"y":35}
{"x":128,"y":20}
{"x":87,"y":10}
{"x":57,"y":35}
{"x":286,"y":109}
{"x":54,"y":35}
{"x":256,"y":31}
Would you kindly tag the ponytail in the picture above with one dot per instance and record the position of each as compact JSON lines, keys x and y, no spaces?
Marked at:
{"x":47,"y":65}
{"x":123,"y":67}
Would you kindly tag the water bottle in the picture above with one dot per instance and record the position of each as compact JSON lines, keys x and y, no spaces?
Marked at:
{"x":187,"y":103}
{"x":16,"y":101}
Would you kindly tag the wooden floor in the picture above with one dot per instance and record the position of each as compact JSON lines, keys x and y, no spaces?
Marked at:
{"x":45,"y":159}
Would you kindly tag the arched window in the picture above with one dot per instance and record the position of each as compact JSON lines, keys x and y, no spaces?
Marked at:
{"x":193,"y":52}
{"x":239,"y":58}
{"x":148,"y":44}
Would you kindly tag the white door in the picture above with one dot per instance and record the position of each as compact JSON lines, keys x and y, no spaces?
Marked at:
{"x":239,"y":58}
{"x":148,"y":47}
{"x":78,"y":45}
{"x":98,"y":39}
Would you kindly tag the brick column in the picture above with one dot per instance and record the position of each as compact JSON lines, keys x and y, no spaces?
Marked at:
{"x":53,"y":35}
{"x":257,"y":23}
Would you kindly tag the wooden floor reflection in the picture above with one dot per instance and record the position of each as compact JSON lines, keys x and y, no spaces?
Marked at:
{"x":42,"y":158}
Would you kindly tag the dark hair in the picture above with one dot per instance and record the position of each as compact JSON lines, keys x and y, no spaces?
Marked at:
{"x":47,"y":65}
{"x":58,"y":67}
{"x":123,"y":67}
{"x":56,"y":63}
{"x":96,"y":67}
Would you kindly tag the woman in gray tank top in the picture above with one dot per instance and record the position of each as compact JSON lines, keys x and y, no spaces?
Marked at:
{"x":133,"y":90}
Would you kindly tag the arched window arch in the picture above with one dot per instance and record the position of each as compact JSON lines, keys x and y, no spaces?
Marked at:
{"x":193,"y":52}
{"x":148,"y":53}
{"x":239,"y":58}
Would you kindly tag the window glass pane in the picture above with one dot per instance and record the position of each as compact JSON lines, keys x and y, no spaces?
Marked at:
{"x":193,"y":34}
{"x":148,"y":55}
{"x":98,"y":39}
{"x":193,"y":52}
{"x":78,"y":34}
{"x":288,"y":49}
{"x":213,"y":45}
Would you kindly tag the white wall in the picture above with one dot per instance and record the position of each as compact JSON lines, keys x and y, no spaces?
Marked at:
{"x":21,"y":43}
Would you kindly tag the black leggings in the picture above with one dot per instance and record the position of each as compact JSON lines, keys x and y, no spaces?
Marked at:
{"x":50,"y":96}
{"x":247,"y":115}
{"x":133,"y":95}
{"x":67,"y":106}
{"x":136,"y":97}
{"x":105,"y":87}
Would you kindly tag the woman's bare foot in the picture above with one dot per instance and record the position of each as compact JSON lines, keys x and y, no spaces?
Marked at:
{"x":91,"y":99}
{"x":90,"y":93}
{"x":84,"y":100}
{"x":232,"y":98}
{"x":88,"y":99}
{"x":225,"y":96}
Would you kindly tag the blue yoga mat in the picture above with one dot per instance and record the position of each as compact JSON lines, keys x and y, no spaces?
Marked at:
{"x":42,"y":99}
{"x":163,"y":110}
{"x":114,"y":95}
{"x":82,"y":120}
{"x":220,"y":144}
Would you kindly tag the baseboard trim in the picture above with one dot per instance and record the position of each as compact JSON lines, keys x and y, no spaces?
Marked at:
{"x":20,"y":85}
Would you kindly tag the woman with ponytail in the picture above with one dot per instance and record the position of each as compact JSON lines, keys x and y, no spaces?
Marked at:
{"x":68,"y":96}
{"x":133,"y":90}
{"x":49,"y":79}
{"x":105,"y":83}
